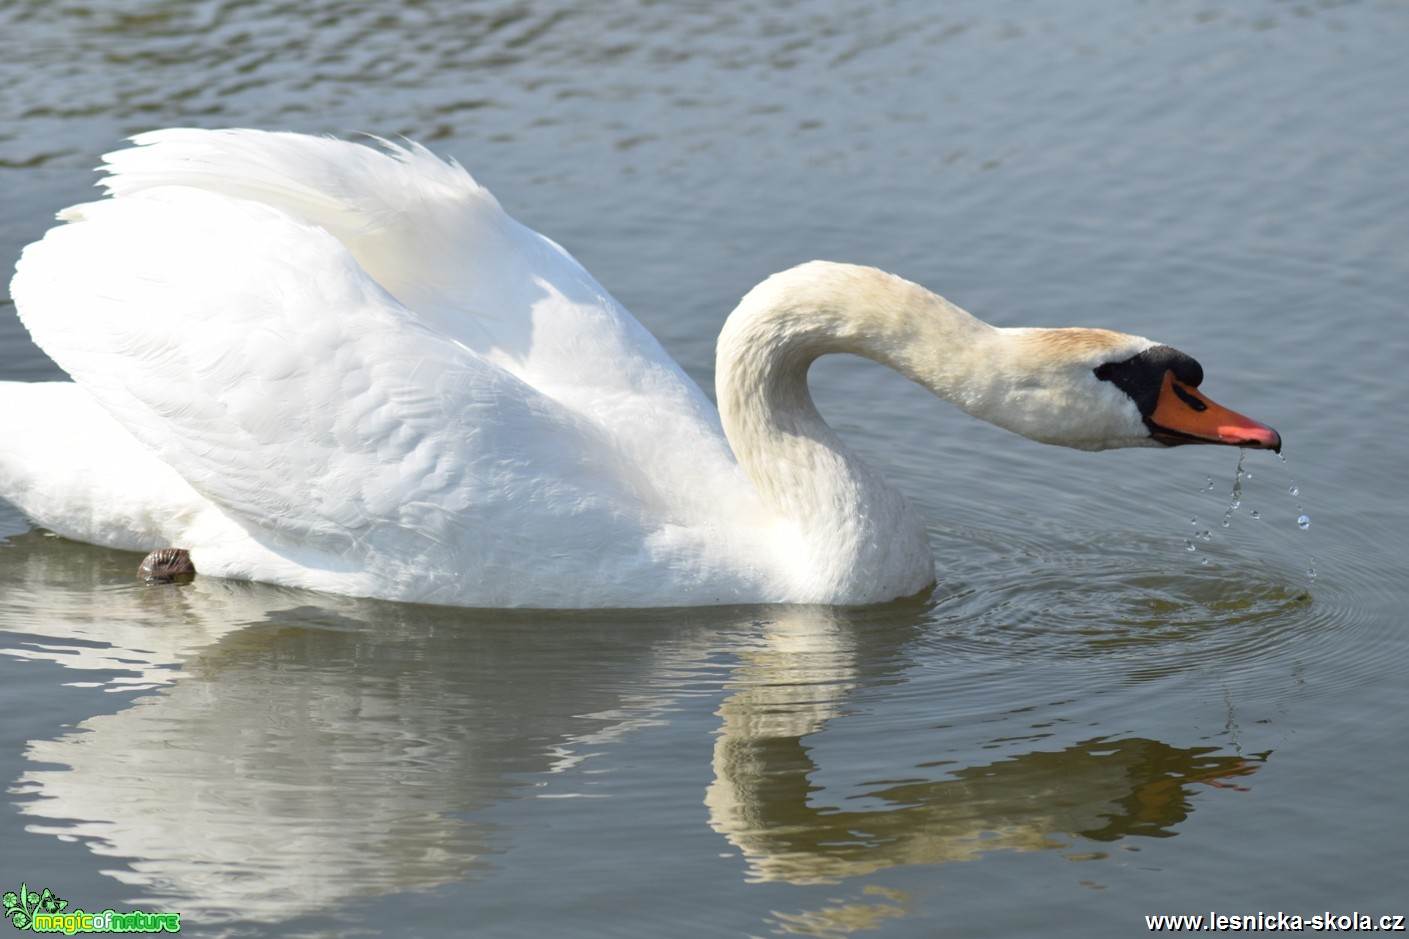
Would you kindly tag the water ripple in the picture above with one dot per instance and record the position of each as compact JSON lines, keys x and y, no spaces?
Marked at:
{"x":1127,"y":604}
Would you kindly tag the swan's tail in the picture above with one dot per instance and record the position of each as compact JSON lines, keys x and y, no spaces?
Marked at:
{"x":124,"y":498}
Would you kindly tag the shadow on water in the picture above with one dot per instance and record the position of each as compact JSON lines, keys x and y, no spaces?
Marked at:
{"x":293,"y":752}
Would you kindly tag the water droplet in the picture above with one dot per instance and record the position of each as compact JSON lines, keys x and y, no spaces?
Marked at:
{"x":1189,"y":546}
{"x":1294,"y":491}
{"x":1203,"y":560}
{"x":1227,"y":521}
{"x":1254,"y":514}
{"x":1303,"y":522}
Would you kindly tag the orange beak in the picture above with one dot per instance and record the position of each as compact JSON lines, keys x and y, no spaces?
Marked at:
{"x":1183,"y":415}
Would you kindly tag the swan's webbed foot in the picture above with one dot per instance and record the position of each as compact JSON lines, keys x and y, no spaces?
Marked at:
{"x":167,"y":566}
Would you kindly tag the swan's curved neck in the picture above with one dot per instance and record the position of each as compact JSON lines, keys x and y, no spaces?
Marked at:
{"x":854,"y":529}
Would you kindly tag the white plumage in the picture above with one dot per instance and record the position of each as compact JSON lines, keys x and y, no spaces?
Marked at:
{"x":321,"y":364}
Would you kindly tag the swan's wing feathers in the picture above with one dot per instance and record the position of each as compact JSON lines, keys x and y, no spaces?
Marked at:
{"x":439,"y":243}
{"x":252,"y":354}
{"x":346,"y":188}
{"x":419,"y":226}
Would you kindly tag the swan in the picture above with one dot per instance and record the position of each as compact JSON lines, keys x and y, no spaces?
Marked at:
{"x":344,"y":367}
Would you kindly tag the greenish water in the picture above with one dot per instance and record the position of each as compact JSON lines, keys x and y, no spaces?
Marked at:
{"x":1082,"y":724}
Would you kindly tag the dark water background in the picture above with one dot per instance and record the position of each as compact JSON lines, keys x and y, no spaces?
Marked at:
{"x":1084,"y":723}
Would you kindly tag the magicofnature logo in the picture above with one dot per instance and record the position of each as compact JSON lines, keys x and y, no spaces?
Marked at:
{"x":21,"y":907}
{"x":44,"y":912}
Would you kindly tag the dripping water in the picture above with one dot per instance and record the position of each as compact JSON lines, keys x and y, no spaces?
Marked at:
{"x":1303,"y":521}
{"x":1200,"y":533}
{"x":1235,"y":498}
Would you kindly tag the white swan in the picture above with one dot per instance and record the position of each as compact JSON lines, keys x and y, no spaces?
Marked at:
{"x":316,"y":363}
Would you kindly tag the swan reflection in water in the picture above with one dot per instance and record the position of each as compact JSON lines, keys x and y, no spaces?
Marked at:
{"x":1098,"y":790}
{"x":296,"y":752}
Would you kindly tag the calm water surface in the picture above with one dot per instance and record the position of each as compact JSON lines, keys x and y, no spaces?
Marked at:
{"x":1085,"y":721}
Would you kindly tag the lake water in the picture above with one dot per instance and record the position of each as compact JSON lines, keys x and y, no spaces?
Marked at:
{"x":1085,"y":722}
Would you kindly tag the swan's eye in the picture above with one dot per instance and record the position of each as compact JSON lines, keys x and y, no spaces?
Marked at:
{"x":1142,"y":375}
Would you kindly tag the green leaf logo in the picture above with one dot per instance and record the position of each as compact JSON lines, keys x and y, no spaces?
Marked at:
{"x":20,"y":907}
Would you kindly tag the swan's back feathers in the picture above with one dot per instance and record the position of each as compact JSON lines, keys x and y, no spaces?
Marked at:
{"x":439,"y":243}
{"x":339,"y":186}
{"x":416,"y":224}
{"x":226,"y":308}
{"x":351,"y":432}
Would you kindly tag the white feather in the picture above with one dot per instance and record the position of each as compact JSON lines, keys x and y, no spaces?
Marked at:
{"x":321,"y":364}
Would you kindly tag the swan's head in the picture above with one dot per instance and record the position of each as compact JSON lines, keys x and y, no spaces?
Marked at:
{"x":1093,"y":389}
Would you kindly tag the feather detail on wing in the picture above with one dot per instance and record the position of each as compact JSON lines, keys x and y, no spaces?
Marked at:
{"x":288,"y":388}
{"x":439,"y":243}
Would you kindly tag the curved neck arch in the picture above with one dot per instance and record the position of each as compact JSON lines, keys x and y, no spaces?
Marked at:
{"x":856,"y":535}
